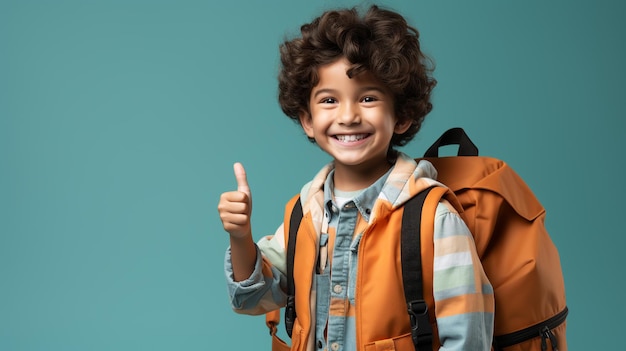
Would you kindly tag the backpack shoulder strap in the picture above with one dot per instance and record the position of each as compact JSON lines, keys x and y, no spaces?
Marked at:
{"x":413,"y":272}
{"x":272,"y":318}
{"x":294,"y":225}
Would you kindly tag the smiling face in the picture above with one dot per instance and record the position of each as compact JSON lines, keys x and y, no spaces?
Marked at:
{"x":353,"y":120}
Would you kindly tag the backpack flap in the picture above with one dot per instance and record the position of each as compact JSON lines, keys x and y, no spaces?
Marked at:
{"x":460,"y":173}
{"x":472,"y":178}
{"x":508,"y":184}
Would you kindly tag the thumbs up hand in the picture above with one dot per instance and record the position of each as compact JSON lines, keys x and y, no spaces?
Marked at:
{"x":235,"y":207}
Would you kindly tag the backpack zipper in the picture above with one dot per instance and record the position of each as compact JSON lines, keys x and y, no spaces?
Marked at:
{"x":542,"y":329}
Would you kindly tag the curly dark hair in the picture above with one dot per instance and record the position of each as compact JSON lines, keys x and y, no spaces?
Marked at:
{"x":380,"y":42}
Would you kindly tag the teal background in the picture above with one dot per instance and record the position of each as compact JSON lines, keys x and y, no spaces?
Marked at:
{"x":120,"y":121}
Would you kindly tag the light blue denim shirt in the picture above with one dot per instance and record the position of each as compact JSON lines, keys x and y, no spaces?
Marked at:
{"x":336,"y":286}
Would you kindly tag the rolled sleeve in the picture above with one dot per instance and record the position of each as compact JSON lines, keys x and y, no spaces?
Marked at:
{"x":260,"y":292}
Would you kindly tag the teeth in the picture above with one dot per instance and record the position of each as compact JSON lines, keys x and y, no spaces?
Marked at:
{"x":351,"y":138}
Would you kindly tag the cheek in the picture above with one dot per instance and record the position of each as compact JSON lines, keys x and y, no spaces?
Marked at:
{"x":392,"y":125}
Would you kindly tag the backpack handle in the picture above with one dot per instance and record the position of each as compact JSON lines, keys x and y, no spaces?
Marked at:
{"x":453,"y":136}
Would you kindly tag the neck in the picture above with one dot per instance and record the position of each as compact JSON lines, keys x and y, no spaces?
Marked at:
{"x":351,"y":178}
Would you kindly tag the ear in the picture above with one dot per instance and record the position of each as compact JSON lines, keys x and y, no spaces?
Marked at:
{"x":307,"y":123}
{"x":402,"y":126}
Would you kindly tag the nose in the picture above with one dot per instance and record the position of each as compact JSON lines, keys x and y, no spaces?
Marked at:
{"x":349,"y":114}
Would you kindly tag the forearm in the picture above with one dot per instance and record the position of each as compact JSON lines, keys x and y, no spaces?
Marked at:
{"x":243,"y":257}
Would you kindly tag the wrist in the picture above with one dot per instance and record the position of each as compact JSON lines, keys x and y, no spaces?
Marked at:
{"x":241,"y":240}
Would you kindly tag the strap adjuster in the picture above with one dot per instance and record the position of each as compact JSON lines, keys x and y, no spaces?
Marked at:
{"x":290,"y":314}
{"x":421,"y":330}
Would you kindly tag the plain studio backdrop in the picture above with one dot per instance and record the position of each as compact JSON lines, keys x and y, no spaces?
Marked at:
{"x":120,"y":122}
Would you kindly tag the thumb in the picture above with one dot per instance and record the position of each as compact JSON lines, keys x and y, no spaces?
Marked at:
{"x":242,"y":179}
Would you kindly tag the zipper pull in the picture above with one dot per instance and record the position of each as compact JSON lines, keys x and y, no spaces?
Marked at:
{"x":546,"y":333}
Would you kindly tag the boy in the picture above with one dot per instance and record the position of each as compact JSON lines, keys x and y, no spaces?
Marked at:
{"x":358,"y":86}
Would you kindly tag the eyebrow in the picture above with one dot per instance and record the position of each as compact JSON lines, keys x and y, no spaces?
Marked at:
{"x":323,"y":91}
{"x":333,"y":91}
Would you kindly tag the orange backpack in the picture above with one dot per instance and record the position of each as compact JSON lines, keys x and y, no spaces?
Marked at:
{"x":507,"y":222}
{"x":519,"y":257}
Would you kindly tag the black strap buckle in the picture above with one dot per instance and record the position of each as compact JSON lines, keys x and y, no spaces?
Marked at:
{"x":290,"y":314}
{"x":421,"y":330}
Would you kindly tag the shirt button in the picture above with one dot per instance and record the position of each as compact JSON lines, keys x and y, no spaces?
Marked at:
{"x":337,"y":289}
{"x":319,"y":344}
{"x":334,"y":346}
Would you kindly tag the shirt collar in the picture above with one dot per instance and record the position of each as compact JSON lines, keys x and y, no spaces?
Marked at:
{"x":364,"y":201}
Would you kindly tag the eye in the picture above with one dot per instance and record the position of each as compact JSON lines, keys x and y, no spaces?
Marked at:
{"x":369,"y":99}
{"x":328,"y":100}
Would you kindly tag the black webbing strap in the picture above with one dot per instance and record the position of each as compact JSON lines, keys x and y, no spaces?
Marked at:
{"x":453,"y":136}
{"x":411,"y":258}
{"x":294,"y":225}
